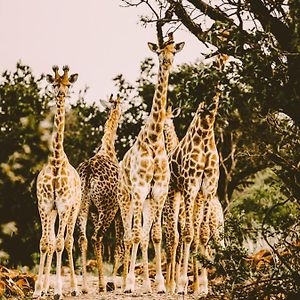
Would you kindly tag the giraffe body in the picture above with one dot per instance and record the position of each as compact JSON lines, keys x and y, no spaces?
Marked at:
{"x":58,"y":193}
{"x":216,"y":219}
{"x":144,"y":171}
{"x":194,"y":165}
{"x":99,"y":179}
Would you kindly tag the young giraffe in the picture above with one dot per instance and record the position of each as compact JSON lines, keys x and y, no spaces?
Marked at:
{"x":145,"y":169}
{"x":58,"y":192}
{"x":99,"y":184}
{"x":216,"y":219}
{"x":194,"y":166}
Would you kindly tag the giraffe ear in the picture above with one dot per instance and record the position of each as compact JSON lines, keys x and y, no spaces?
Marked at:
{"x":153,"y":47}
{"x":179,"y":46}
{"x":73,"y":78}
{"x":105,"y":104}
{"x":49,"y":78}
{"x":176,"y":112}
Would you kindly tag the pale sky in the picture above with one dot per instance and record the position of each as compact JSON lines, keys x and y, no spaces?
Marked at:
{"x":98,"y":39}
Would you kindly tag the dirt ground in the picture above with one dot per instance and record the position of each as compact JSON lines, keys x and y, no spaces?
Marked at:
{"x":93,"y":291}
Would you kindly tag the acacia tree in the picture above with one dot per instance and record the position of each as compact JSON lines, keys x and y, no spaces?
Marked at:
{"x":245,"y":30}
{"x":263,"y":36}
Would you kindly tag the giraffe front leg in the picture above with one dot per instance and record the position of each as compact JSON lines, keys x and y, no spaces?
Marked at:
{"x":188,"y":235}
{"x":38,"y":289}
{"x":170,"y":217}
{"x":69,"y":247}
{"x":148,"y":216}
{"x":139,"y":194}
{"x":156,"y":238}
{"x":126,"y":214}
{"x":63,"y":218}
{"x":82,"y":240}
{"x":51,"y":248}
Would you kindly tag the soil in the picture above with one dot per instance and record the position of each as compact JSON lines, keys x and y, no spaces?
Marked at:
{"x":114,"y":295}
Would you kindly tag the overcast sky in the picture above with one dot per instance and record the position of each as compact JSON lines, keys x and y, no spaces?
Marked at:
{"x":97,"y":39}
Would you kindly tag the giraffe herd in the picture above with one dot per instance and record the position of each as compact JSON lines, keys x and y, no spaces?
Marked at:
{"x":161,"y":184}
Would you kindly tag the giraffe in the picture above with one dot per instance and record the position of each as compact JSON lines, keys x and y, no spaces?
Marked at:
{"x":194,"y":166}
{"x":58,"y":193}
{"x":145,"y":169}
{"x":216,"y":218}
{"x":99,"y":184}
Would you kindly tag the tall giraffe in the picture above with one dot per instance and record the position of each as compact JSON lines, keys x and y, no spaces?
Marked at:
{"x":194,"y":166}
{"x":99,"y":184}
{"x":216,"y":219}
{"x":145,"y":169}
{"x":58,"y":192}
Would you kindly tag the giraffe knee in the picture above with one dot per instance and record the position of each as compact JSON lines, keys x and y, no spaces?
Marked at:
{"x":69,"y":243}
{"x":44,"y":247}
{"x":59,"y":245}
{"x":156,"y":236}
{"x":82,"y":241}
{"x":188,"y":238}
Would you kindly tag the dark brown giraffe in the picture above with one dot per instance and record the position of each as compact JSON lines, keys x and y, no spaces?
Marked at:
{"x":99,"y":184}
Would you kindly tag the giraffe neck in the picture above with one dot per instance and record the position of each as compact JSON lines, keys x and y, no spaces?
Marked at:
{"x":171,"y":136}
{"x":58,"y":132}
{"x":110,"y":134}
{"x":158,"y":109}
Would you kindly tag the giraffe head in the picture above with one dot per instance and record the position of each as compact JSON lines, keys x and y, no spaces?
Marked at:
{"x":61,"y":83}
{"x":112,"y":103}
{"x":166,"y":51}
{"x":170,"y":115}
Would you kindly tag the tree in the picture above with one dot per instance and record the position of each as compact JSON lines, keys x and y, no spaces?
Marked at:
{"x":24,"y":135}
{"x":263,"y":39}
{"x":264,"y":33}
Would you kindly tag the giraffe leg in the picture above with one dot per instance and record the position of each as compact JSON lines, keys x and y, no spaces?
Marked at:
{"x":126,"y":214}
{"x":139,"y":195}
{"x":38,"y":289}
{"x":119,"y":251}
{"x":170,"y":215}
{"x":103,"y":219}
{"x":148,"y":216}
{"x":82,"y":241}
{"x":63,"y":218}
{"x":179,"y":250}
{"x":189,"y":197}
{"x":69,"y":247}
{"x":156,"y":239}
{"x":209,"y":190}
{"x":51,"y":245}
{"x":198,"y":216}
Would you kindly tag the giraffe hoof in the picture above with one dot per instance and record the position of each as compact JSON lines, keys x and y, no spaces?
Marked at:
{"x":110,"y":286}
{"x":128,"y":291}
{"x":74,"y":294}
{"x":57,"y":297}
{"x":101,"y":289}
{"x":84,"y":291}
{"x":161,"y":292}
